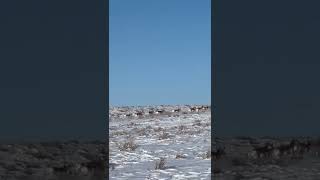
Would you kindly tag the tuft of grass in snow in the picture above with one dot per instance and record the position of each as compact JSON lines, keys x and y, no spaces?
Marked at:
{"x":207,"y":154}
{"x":182,"y":127}
{"x":180,"y":156}
{"x":197,"y":122}
{"x":164,"y":135}
{"x":141,"y":131}
{"x":158,"y":129}
{"x":206,"y":124}
{"x":160,"y":164}
{"x":119,"y":133}
{"x":128,"y":146}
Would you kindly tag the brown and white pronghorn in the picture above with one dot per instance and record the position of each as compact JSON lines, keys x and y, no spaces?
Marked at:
{"x":205,"y":108}
{"x":264,"y":151}
{"x":138,"y":114}
{"x":198,"y":109}
{"x":193,"y":109}
{"x":285,"y":149}
{"x":128,"y":115}
{"x":159,"y":111}
{"x":176,"y":110}
{"x":306,"y":145}
{"x":295,"y":148}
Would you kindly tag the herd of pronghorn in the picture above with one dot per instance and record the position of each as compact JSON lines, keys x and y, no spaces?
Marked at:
{"x":293,"y":149}
{"x":164,"y":111}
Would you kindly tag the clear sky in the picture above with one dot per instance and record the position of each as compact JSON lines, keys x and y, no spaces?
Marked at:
{"x":159,"y":52}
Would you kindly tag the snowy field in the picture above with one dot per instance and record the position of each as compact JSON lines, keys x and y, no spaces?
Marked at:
{"x":164,"y":142}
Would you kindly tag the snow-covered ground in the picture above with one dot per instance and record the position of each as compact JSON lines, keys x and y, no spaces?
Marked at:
{"x":181,"y":139}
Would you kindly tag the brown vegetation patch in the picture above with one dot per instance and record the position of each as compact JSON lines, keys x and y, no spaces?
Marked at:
{"x":128,"y":146}
{"x":160,"y":164}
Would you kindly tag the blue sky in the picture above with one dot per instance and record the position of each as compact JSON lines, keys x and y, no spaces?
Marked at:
{"x":159,"y":52}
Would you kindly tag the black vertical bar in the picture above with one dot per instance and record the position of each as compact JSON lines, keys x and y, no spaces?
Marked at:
{"x":106,"y":74}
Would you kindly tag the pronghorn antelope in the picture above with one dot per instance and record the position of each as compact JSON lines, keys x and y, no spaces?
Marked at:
{"x":306,"y":145}
{"x":285,"y":149}
{"x":128,"y":115}
{"x":193,"y":109}
{"x":299,"y":148}
{"x":202,"y":108}
{"x":159,"y":111}
{"x":122,"y":115}
{"x":294,"y":148}
{"x":176,"y":110}
{"x":276,"y":153}
{"x":138,"y":114}
{"x":264,"y":151}
{"x":206,"y":107}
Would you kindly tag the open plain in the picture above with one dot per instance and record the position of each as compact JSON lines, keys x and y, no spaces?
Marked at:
{"x":162,"y":142}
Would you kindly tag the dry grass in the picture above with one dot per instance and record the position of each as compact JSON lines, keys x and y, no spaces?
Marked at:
{"x":141,"y":132}
{"x":206,"y":124}
{"x":194,"y":132}
{"x":128,"y":146}
{"x":164,"y":135}
{"x":119,"y":133}
{"x":160,"y":164}
{"x":180,"y":156}
{"x":207,"y":154}
{"x":131,"y":124}
{"x":182,"y":127}
{"x":158,"y":129}
{"x":197,"y":122}
{"x":149,"y":127}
